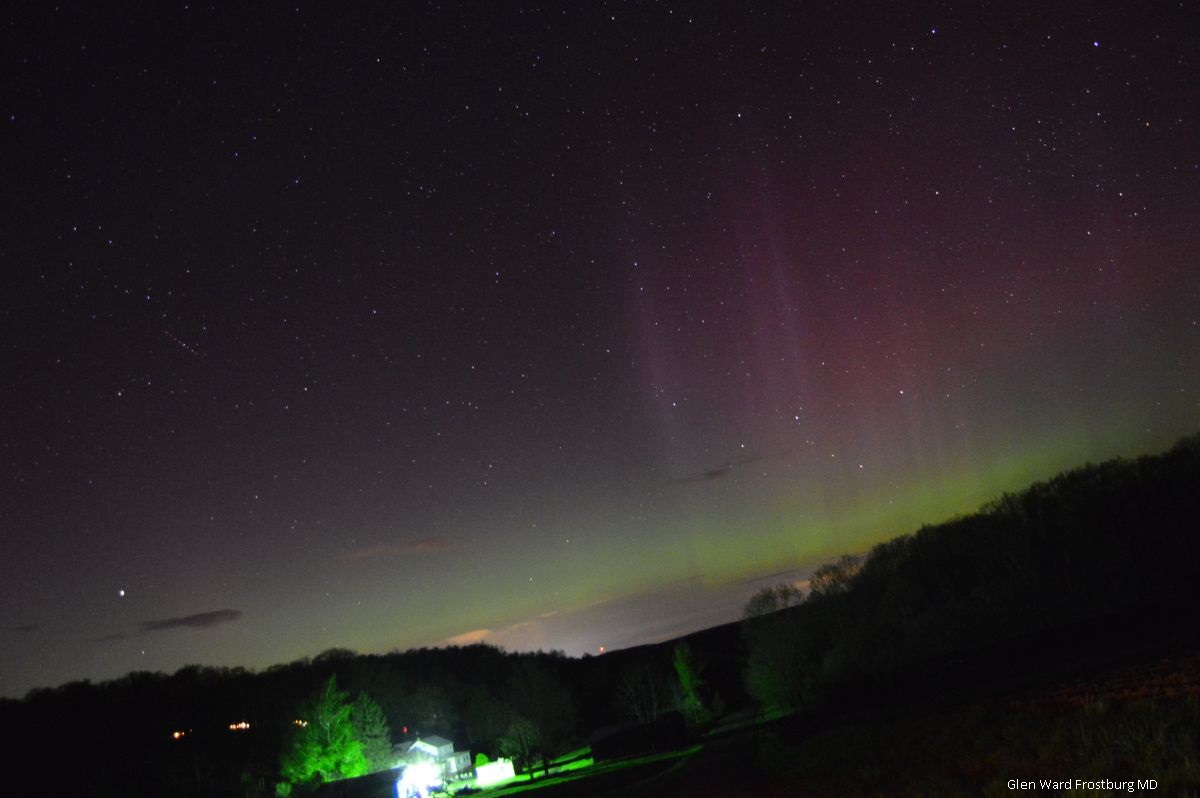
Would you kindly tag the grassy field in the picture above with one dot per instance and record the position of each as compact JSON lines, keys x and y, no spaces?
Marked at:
{"x":584,"y":777}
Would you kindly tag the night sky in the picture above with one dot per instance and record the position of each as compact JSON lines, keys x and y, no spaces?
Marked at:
{"x":558,"y":326}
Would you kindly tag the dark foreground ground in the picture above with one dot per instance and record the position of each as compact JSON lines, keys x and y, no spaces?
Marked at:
{"x":1135,"y":722}
{"x":1115,"y":699}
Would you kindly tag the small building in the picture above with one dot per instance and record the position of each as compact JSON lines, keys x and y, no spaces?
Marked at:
{"x":436,"y":750}
{"x":494,"y":772}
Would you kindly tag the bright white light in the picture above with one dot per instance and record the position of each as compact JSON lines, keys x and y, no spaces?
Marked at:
{"x":417,"y":779}
{"x":494,"y":773}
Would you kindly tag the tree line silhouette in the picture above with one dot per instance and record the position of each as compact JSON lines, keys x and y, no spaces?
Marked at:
{"x":1111,"y":551}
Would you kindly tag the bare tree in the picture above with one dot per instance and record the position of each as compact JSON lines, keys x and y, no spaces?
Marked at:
{"x":834,"y":578}
{"x":772,"y":599}
{"x":643,"y":694}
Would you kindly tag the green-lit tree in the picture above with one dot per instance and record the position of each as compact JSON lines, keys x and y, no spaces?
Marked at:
{"x":324,"y":746}
{"x":372,"y":730}
{"x":691,"y":685}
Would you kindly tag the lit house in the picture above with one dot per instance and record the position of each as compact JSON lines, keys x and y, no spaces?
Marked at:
{"x":435,"y":750}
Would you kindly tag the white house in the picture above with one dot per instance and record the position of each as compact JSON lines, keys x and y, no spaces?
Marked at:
{"x":436,"y":750}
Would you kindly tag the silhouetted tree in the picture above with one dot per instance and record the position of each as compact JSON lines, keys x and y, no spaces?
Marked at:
{"x":485,"y":719}
{"x":522,"y":742}
{"x":775,"y":672}
{"x":772,"y":599}
{"x":835,"y":578}
{"x":430,"y":710}
{"x":642,"y":693}
{"x":544,"y":701}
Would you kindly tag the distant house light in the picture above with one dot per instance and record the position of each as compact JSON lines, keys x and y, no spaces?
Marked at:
{"x":300,"y":723}
{"x":178,"y":735}
{"x":239,"y":726}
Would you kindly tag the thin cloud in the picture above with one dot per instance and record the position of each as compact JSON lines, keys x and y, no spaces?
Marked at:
{"x":718,"y":471}
{"x":27,"y":627}
{"x":413,"y":548}
{"x":799,"y":579}
{"x":109,"y":638}
{"x":791,"y":576}
{"x":201,"y":620}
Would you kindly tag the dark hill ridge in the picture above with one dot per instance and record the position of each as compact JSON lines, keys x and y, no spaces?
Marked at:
{"x":1090,"y":563}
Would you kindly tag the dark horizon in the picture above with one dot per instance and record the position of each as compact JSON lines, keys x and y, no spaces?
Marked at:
{"x":558,"y":328}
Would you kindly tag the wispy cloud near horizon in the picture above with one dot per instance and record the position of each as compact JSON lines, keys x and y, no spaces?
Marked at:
{"x":467,"y":638}
{"x":201,"y":620}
